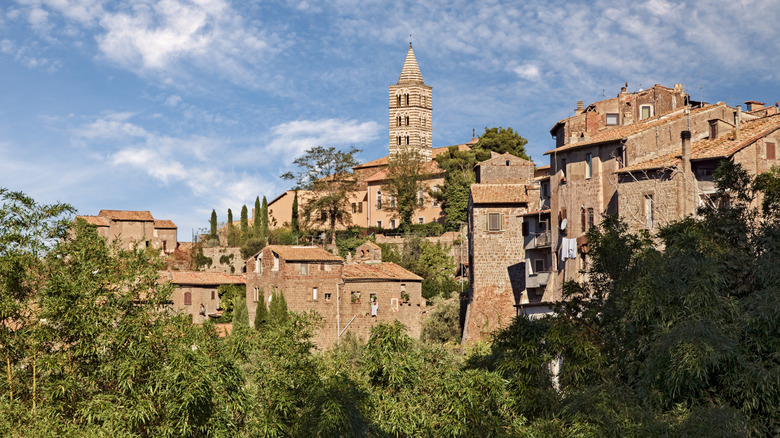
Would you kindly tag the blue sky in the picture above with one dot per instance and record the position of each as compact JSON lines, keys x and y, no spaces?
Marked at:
{"x":181,"y":106}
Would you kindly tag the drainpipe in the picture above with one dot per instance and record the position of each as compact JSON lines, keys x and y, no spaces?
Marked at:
{"x":685,"y":136}
{"x":739,"y":116}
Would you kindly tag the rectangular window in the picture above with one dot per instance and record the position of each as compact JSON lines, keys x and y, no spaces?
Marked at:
{"x":187,"y":298}
{"x":360,"y":207}
{"x":495,"y":222}
{"x":563,"y":166}
{"x":314,"y":293}
{"x":588,"y":166}
{"x":649,"y":211}
{"x":304,"y":268}
{"x":276,"y":262}
{"x":612,"y":119}
{"x":256,"y":294}
{"x":379,"y":224}
{"x":327,"y":297}
{"x":212,"y":295}
{"x":354,"y":207}
{"x":354,"y":297}
{"x":713,"y":129}
{"x":435,"y":201}
{"x":646,"y":111}
{"x":771,"y":153}
{"x":392,"y":224}
{"x":420,"y":220}
{"x":590,"y":217}
{"x":583,"y":224}
{"x":539,"y":265}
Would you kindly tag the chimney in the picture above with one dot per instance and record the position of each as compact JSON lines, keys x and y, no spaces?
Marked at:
{"x":752,"y":105}
{"x":624,"y":88}
{"x":580,"y":106}
{"x":678,"y":88}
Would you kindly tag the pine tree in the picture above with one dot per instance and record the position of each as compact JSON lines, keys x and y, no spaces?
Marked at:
{"x":264,"y":217}
{"x":213,"y":224}
{"x":257,"y":223}
{"x":261,"y":315}
{"x":294,"y":222}
{"x":244,"y":225}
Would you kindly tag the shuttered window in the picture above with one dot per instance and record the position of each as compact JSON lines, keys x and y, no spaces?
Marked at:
{"x":771,"y":154}
{"x":495,"y":222}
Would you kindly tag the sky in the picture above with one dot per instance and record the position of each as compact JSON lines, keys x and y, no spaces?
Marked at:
{"x":183,"y":106}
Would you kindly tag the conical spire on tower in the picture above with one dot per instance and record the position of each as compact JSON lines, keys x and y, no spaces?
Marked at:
{"x":410,"y":73}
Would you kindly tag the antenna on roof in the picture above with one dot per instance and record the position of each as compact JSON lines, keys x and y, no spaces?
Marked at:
{"x":701,"y":88}
{"x":410,"y":41}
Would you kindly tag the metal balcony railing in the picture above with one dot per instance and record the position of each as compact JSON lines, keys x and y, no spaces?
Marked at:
{"x":539,"y":240}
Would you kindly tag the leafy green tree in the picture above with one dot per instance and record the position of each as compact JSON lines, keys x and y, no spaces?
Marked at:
{"x":252,"y":247}
{"x":502,"y":141}
{"x":244,"y":225}
{"x":261,"y":314}
{"x":295,"y":226}
{"x":406,"y":174}
{"x":229,"y":294}
{"x":213,"y":225}
{"x":240,"y":312}
{"x":327,"y":174}
{"x":443,"y":323}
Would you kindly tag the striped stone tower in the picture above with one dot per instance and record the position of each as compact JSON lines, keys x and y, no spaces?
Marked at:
{"x":411,"y":107}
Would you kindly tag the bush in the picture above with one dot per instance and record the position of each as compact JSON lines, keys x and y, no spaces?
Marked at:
{"x":252,"y":247}
{"x":443,"y":323}
{"x":282,"y":236}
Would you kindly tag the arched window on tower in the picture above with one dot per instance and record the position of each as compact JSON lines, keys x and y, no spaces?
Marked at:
{"x":399,"y":120}
{"x":399,"y":140}
{"x":407,"y":100}
{"x":407,"y":120}
{"x":399,"y":99}
{"x":407,"y":139}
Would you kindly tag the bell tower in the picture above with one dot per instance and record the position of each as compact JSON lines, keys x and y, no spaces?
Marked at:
{"x":411,"y":107}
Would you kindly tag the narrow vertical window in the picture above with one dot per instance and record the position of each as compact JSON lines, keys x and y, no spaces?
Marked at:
{"x":649,"y":211}
{"x":582,"y":220}
{"x":588,"y":166}
{"x":407,"y":139}
{"x":407,"y":100}
{"x":304,"y":268}
{"x":563,"y":166}
{"x":771,"y":153}
{"x":590,"y":217}
{"x":407,"y":120}
{"x":314,"y":293}
{"x":187,"y":298}
{"x":379,"y":200}
{"x":399,"y":99}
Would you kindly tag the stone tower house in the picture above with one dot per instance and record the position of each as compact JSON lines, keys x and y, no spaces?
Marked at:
{"x":411,"y":107}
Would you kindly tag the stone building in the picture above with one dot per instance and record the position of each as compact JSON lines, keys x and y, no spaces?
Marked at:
{"x":312,"y":279}
{"x":135,"y":227}
{"x":504,"y":193}
{"x":196,"y":293}
{"x":630,"y":164}
{"x":410,"y":103}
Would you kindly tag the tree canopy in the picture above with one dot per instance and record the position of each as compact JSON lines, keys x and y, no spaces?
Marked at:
{"x":326,"y":173}
{"x":406,"y":174}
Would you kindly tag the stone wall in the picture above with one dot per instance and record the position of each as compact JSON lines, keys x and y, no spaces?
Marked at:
{"x":226,"y":260}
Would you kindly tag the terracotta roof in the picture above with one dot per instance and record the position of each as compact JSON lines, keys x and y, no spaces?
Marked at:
{"x":502,"y":158}
{"x":435,"y":152}
{"x":306,"y":253}
{"x":201,"y":278}
{"x":95,"y":220}
{"x":498,"y":193}
{"x":370,"y":244}
{"x":722,"y":147}
{"x":545,"y":167}
{"x":534,"y":213}
{"x":431,"y":167}
{"x":621,"y":132}
{"x":164,"y":224}
{"x":127,"y":215}
{"x":378,"y":271}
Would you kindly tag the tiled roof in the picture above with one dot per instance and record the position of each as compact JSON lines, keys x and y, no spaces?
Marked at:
{"x":545,"y":167}
{"x":723,"y":146}
{"x":435,"y":152}
{"x":127,"y":215}
{"x":305,"y":253}
{"x":430,"y":167}
{"x":378,"y":271}
{"x":201,"y":278}
{"x":620,"y":132}
{"x":95,"y":220}
{"x":534,"y":213}
{"x":164,"y":224}
{"x":501,"y":159}
{"x":498,"y":193}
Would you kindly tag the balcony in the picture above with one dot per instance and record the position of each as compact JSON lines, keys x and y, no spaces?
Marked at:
{"x":538,"y":240}
{"x":537,"y":279}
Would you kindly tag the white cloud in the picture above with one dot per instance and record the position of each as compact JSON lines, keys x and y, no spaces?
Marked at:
{"x":293,"y":138}
{"x":528,"y":72}
{"x":172,"y":100}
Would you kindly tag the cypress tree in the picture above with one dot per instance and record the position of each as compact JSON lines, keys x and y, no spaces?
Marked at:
{"x":244,"y":224}
{"x":261,"y":315}
{"x":264,"y":217}
{"x":230,"y":232}
{"x":277,"y":313}
{"x":257,"y":221}
{"x":213,"y":224}
{"x":240,"y":313}
{"x":294,"y":225}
